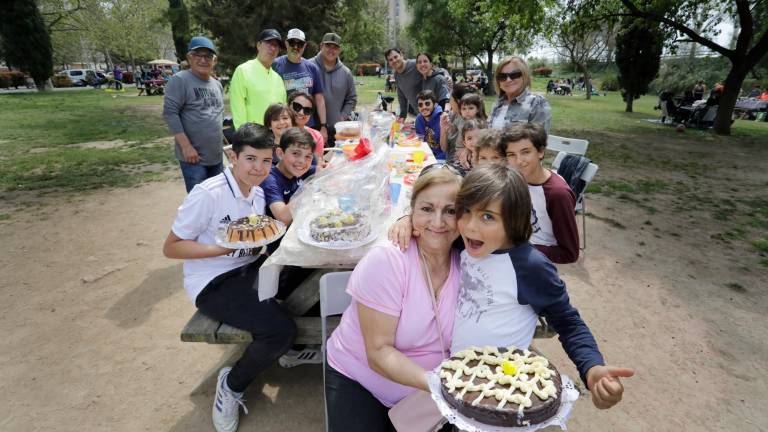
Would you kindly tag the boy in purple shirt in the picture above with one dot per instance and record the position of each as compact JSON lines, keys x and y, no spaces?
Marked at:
{"x":428,"y":122}
{"x":285,"y":178}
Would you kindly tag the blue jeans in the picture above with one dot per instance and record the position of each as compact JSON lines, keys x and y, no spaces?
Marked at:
{"x":198,"y":173}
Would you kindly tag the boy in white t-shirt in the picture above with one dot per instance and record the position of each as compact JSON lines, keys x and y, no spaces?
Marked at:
{"x":222,"y":281}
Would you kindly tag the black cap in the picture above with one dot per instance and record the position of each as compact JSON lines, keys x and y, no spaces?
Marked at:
{"x":269,"y":34}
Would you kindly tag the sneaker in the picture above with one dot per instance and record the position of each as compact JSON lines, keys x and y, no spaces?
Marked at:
{"x":226,"y":405}
{"x":308,"y":355}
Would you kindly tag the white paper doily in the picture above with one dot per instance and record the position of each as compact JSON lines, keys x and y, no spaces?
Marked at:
{"x":305,"y":237}
{"x":466,"y":424}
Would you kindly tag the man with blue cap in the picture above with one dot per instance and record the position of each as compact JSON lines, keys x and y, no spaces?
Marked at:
{"x":193,"y":109}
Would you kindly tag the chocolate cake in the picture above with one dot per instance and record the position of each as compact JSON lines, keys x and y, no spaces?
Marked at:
{"x":253,"y":228}
{"x":501,"y":386}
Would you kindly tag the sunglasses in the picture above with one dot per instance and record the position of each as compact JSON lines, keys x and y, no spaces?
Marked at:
{"x":296,"y":43}
{"x":425,"y":104}
{"x":299,"y":108}
{"x":437,"y":166}
{"x":503,"y":76}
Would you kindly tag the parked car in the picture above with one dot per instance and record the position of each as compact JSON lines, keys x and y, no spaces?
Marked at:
{"x":79,"y":77}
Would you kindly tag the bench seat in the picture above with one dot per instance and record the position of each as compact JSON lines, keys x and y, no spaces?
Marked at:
{"x":201,"y":328}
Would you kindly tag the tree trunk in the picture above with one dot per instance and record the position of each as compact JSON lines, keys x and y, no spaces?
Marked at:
{"x":630,"y":98}
{"x":587,"y":79}
{"x":733,"y":81}
{"x":490,"y":89}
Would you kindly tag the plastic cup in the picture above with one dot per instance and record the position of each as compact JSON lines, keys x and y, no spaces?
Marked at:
{"x":346,"y":203}
{"x":394,"y":192}
{"x":418,"y":157}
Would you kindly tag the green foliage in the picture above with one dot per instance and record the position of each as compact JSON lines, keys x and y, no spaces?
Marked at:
{"x":477,"y":28}
{"x":542,"y":71}
{"x":26,"y":41}
{"x":610,"y":83}
{"x":638,"y":55}
{"x":363,"y":34}
{"x":236,"y":24}
{"x":680,"y":74}
{"x":178,"y":15}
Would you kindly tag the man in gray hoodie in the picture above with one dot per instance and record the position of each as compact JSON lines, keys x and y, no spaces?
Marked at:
{"x":338,"y":84}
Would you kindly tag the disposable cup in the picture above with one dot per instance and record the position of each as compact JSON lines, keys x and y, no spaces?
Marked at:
{"x":418,"y":157}
{"x":346,"y":203}
{"x":394,"y":192}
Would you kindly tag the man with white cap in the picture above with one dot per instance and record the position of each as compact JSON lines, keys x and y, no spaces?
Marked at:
{"x":338,"y":83}
{"x":255,"y":86}
{"x":300,"y":74}
{"x":193,"y":107}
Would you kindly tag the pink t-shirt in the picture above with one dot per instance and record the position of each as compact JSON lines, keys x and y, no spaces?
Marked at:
{"x":392,"y":282}
{"x":319,"y":141}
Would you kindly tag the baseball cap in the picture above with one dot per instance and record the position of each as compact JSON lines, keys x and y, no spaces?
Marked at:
{"x":332,"y":38}
{"x":296,"y":34}
{"x":269,"y":34}
{"x":201,"y":42}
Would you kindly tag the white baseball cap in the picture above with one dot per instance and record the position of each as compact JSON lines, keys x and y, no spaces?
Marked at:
{"x":296,"y":34}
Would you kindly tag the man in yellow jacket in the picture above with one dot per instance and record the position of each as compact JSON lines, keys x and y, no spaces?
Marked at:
{"x":255,"y":86}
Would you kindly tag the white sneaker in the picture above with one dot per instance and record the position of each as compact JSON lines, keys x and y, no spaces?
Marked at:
{"x":309,"y":355}
{"x":226,"y":405}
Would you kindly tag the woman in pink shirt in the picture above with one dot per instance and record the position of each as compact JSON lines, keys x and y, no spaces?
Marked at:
{"x":388,"y":337}
{"x":303,"y":105}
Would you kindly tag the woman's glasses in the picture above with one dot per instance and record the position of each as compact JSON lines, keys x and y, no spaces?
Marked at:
{"x":503,"y":76}
{"x":299,"y":108}
{"x":437,"y":166}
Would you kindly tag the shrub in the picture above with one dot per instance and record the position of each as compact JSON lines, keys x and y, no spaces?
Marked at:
{"x":12,"y":79}
{"x":542,"y":71}
{"x":61,"y":81}
{"x":610,"y":83}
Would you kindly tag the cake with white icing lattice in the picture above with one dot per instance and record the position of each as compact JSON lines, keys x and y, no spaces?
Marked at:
{"x":501,"y":386}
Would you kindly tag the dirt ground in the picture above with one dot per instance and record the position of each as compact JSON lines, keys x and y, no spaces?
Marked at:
{"x":92,"y":311}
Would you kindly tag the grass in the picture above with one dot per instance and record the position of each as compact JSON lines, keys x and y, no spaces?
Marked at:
{"x":38,"y":130}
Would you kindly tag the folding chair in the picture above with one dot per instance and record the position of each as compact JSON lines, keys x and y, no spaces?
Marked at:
{"x":568,"y":145}
{"x":333,"y":301}
{"x":581,"y":207}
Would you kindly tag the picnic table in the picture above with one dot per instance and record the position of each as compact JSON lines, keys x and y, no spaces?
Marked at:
{"x":751,"y":108}
{"x":154,"y":87}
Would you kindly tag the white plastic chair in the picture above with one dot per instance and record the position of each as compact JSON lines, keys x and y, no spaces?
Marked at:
{"x":569,"y":145}
{"x":581,"y":207}
{"x":333,"y":301}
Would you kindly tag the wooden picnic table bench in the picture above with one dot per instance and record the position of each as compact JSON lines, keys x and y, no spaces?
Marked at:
{"x":201,"y":328}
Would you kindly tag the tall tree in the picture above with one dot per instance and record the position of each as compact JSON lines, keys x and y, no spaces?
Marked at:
{"x":479,"y":28}
{"x":678,"y":17}
{"x":638,"y":55}
{"x":582,"y":43}
{"x":363,"y":33}
{"x":236,"y":24}
{"x":178,"y":16}
{"x":26,"y":41}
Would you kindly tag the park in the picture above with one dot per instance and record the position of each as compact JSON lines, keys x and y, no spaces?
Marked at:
{"x":672,"y":280}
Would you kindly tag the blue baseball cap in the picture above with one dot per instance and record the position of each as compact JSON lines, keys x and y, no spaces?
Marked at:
{"x":201,"y":42}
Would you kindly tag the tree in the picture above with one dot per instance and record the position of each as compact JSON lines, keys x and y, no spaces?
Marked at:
{"x":178,"y":16}
{"x":26,"y":41}
{"x":638,"y":56}
{"x":477,"y":28}
{"x":679,"y":17}
{"x":582,"y":43}
{"x":363,"y":33}
{"x":236,"y":24}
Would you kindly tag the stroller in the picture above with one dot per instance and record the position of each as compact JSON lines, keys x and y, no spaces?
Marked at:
{"x":384,"y":102}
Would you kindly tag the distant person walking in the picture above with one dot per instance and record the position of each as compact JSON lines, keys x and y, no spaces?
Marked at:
{"x":193,"y":108}
{"x":117,"y":74}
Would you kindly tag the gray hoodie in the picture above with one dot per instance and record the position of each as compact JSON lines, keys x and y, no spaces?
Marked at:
{"x":338,"y":90}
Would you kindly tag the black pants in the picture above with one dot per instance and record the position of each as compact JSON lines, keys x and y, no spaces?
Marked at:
{"x":352,"y":408}
{"x":232,"y":298}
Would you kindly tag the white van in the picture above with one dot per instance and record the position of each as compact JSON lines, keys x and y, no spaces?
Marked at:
{"x":78,"y":76}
